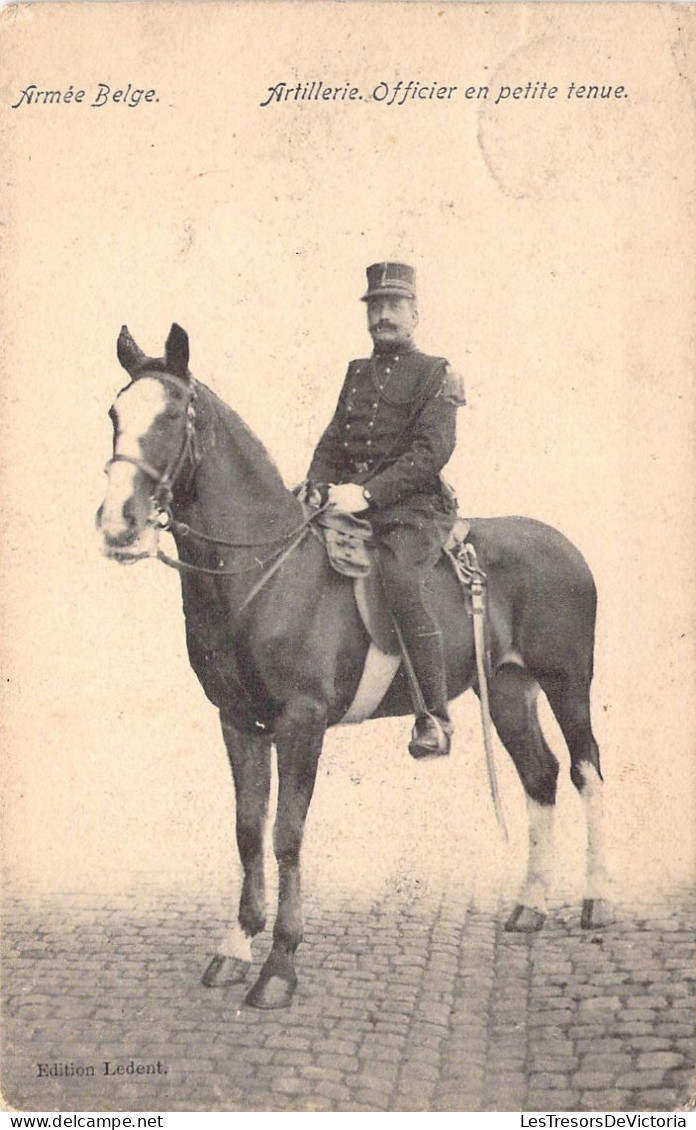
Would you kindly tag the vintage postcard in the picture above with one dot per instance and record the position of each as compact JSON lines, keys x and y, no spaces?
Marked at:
{"x":276,"y":268}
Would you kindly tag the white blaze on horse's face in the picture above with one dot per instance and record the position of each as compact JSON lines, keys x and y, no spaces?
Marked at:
{"x":138,"y":415}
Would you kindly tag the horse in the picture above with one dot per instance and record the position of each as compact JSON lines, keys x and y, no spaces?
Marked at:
{"x":276,"y":640}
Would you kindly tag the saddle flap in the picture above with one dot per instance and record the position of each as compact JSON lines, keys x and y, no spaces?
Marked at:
{"x":369,"y":597}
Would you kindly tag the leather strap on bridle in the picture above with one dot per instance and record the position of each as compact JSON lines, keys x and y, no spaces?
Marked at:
{"x":141,"y":464}
{"x":165,"y":481}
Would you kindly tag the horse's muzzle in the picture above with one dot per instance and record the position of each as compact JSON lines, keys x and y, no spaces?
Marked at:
{"x":123,"y":541}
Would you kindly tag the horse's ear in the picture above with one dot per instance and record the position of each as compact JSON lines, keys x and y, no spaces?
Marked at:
{"x":129,"y":354}
{"x":176,"y":351}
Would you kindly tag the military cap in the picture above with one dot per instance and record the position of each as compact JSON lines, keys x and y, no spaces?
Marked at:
{"x":390,"y":278}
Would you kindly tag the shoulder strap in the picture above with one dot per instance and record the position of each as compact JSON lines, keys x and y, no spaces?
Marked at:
{"x":437,"y":362}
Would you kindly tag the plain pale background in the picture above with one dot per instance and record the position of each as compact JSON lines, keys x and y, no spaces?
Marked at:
{"x":554,"y":247}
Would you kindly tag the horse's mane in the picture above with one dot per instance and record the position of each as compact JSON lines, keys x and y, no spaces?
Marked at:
{"x":246,"y":449}
{"x":243,"y":477}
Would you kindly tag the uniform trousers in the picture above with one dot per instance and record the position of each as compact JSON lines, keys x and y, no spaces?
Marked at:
{"x":409,"y":537}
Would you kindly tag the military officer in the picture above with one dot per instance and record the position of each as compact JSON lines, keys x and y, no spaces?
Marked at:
{"x":393,"y":430}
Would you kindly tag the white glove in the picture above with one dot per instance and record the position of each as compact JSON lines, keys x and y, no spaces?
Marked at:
{"x":348,"y":497}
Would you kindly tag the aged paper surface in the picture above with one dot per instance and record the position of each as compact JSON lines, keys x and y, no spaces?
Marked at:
{"x":199,"y":173}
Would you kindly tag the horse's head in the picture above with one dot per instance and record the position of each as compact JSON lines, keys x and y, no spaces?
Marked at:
{"x":153,"y":439}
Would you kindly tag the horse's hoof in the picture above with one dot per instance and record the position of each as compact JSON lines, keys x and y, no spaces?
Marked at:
{"x":525,"y":920}
{"x":225,"y":970}
{"x":276,"y":984}
{"x":596,"y":913}
{"x":274,"y":993}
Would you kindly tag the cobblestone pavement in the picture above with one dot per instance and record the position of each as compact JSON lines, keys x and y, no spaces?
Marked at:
{"x":407,"y":1004}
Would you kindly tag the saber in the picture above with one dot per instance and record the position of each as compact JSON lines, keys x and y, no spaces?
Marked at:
{"x":477,"y":583}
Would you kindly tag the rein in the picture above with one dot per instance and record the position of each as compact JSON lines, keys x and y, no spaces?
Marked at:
{"x":295,"y":537}
{"x":185,"y":530}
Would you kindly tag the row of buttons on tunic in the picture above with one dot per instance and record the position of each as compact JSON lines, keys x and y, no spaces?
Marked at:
{"x":375,"y":406}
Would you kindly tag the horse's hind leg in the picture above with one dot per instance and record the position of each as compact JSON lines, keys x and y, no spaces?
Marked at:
{"x":569,"y":697}
{"x":298,"y":742}
{"x":250,"y":758}
{"x":513,"y":701}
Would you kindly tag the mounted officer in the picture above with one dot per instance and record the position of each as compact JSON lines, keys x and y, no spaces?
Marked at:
{"x":393,"y":430}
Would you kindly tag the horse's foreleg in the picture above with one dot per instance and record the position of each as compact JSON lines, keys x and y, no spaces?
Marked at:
{"x":298,"y":741}
{"x":570,"y":702}
{"x":250,"y":758}
{"x":513,"y":698}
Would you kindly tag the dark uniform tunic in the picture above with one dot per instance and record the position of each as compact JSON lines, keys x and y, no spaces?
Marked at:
{"x":393,"y":431}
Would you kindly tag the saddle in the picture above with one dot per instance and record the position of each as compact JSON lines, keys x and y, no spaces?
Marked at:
{"x":350,"y":548}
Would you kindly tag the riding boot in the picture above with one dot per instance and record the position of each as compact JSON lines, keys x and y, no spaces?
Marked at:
{"x":432,"y":733}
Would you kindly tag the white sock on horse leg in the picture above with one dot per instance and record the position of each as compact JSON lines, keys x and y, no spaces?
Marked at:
{"x":236,"y":944}
{"x":592,"y":794}
{"x":540,"y":861}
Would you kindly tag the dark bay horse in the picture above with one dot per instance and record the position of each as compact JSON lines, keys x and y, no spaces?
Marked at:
{"x":277,"y":643}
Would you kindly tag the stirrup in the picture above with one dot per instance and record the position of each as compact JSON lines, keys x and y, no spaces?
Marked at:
{"x":431,"y":737}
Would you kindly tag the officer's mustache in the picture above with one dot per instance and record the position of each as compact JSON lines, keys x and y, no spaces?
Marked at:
{"x":384,"y":326}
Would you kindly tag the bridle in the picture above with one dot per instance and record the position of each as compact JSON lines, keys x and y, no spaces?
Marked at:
{"x":165,"y":481}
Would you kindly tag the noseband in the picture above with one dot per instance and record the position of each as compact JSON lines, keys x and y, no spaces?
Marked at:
{"x":165,"y":481}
